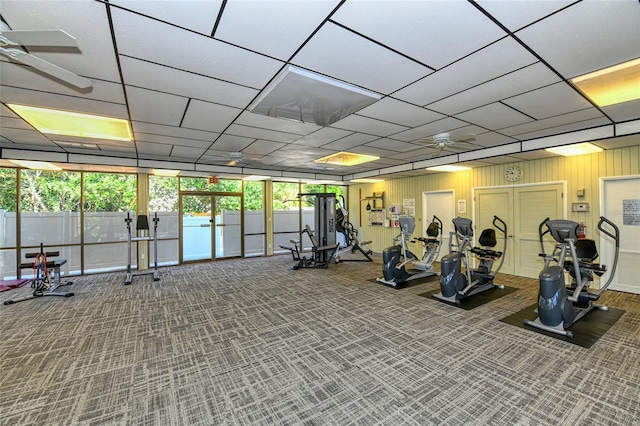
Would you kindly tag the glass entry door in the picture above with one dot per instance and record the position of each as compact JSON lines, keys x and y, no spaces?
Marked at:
{"x":228,"y":229}
{"x":196,"y":233}
{"x":211,"y":227}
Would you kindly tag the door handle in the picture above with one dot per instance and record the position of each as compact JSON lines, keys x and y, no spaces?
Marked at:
{"x":220,"y":224}
{"x":510,"y":235}
{"x":205,"y":225}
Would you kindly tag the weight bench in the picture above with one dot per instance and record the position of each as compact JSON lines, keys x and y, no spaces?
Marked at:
{"x":295,"y":251}
{"x":43,"y":283}
{"x":321,"y":256}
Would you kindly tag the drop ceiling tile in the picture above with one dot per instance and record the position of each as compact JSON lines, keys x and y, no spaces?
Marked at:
{"x":145,"y":148}
{"x":155,"y":107}
{"x":187,"y":152}
{"x":26,"y":136}
{"x":67,"y":103}
{"x":549,"y":101}
{"x":399,"y":112}
{"x":252,"y":132}
{"x":95,"y":57}
{"x":569,"y":39}
{"x":431,"y":39}
{"x":525,"y":79}
{"x":257,"y":120}
{"x":173,"y":131}
{"x":552,"y":122}
{"x":196,"y":15}
{"x":493,"y":61}
{"x":262,"y":147}
{"x":621,"y":142}
{"x":170,"y":140}
{"x":208,"y":116}
{"x":322,"y":136}
{"x":493,"y":116}
{"x":623,"y":112}
{"x":517,"y":14}
{"x":571,"y":127}
{"x":232,"y":143}
{"x":169,"y":80}
{"x":19,"y":76}
{"x":154,"y":41}
{"x":390,"y":144}
{"x":339,"y":53}
{"x":445,"y":125}
{"x":275,"y":28}
{"x":349,"y":142}
{"x":14,"y":123}
{"x":489,"y":139}
{"x":358,"y":123}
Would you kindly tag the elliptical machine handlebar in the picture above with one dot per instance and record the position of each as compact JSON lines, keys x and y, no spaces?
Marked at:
{"x":500,"y":225}
{"x":616,"y":252}
{"x":542,"y":234}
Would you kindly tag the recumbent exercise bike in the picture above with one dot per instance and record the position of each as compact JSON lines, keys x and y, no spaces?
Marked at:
{"x":456,"y":286}
{"x":398,"y":256}
{"x":559,"y":307}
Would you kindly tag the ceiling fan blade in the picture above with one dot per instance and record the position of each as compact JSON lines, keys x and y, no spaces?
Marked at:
{"x":465,"y":138}
{"x":438,"y":152}
{"x":57,"y":38}
{"x":23,"y":57}
{"x":417,"y":147}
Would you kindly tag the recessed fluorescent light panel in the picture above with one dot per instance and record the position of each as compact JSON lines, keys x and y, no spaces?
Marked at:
{"x":366,"y":180}
{"x":36,"y":165}
{"x":166,"y":172}
{"x":346,"y":159}
{"x":613,"y":85}
{"x":56,"y":122}
{"x":301,"y":95}
{"x":448,"y":168}
{"x":575,"y":149}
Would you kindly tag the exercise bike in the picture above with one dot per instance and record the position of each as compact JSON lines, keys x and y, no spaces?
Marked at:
{"x":396,"y":257}
{"x":559,"y":307}
{"x":456,"y":286}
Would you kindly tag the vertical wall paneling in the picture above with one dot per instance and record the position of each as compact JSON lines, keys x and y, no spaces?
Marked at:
{"x":576,"y":172}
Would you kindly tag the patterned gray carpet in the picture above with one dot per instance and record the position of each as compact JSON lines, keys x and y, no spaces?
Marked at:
{"x":249,"y":342}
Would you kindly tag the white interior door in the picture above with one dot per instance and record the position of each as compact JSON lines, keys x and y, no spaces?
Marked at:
{"x":522,"y":208}
{"x":620,"y":203}
{"x":442,"y":205}
{"x":490,"y":203}
{"x":533,"y":204}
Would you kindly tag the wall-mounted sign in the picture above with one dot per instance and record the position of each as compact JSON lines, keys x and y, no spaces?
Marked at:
{"x":631,"y":212}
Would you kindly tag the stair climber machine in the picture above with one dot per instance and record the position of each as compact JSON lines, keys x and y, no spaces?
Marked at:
{"x":398,"y":256}
{"x":456,"y":286}
{"x":559,"y":307}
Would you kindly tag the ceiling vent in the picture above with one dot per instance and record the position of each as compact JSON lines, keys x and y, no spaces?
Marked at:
{"x":304,"y":96}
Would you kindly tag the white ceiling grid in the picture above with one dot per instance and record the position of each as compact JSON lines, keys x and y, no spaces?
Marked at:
{"x":185,"y":73}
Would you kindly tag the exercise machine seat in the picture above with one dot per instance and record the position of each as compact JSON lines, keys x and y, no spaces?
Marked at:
{"x":142,"y":222}
{"x":487,"y":240}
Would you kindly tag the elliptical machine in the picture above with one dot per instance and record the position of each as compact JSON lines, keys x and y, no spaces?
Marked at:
{"x":396,"y":257}
{"x":560,"y":307}
{"x":456,"y":286}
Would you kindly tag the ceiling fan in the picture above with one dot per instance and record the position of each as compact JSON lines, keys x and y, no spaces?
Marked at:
{"x":444,"y":140}
{"x":11,"y":46}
